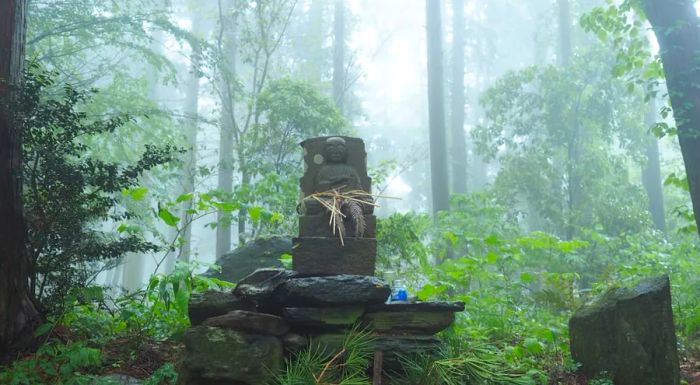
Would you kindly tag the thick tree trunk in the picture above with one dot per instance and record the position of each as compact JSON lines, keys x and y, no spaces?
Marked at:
{"x":459,"y":142}
{"x":564,"y":56}
{"x":436,"y":109}
{"x":677,"y":30}
{"x":339,"y":54}
{"x":651,"y":174}
{"x":17,"y":313}
{"x":225,"y":181}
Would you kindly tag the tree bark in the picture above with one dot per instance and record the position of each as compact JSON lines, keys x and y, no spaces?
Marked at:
{"x":339,"y":54}
{"x":17,"y":313}
{"x":651,"y":174}
{"x":436,"y":109}
{"x":459,"y":143}
{"x":677,"y":30}
{"x":191,"y":111}
{"x":225,"y":178}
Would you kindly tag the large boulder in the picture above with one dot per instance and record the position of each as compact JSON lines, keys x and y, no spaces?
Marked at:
{"x":336,"y":290}
{"x":216,"y":356}
{"x":628,"y":334}
{"x":259,"y":253}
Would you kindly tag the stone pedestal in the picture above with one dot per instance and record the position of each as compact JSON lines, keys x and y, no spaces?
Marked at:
{"x":326,"y":256}
{"x":232,"y":344}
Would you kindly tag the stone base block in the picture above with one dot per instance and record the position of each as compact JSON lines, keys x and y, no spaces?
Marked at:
{"x":319,"y":256}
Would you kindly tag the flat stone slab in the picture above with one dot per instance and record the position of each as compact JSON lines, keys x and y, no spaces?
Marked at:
{"x":250,"y":322}
{"x":259,"y":286}
{"x":336,"y":290}
{"x":220,"y":356}
{"x":323,"y":317}
{"x":629,"y":334}
{"x":326,"y":256}
{"x":214,"y":303}
{"x":417,"y":306}
{"x":413,"y":322}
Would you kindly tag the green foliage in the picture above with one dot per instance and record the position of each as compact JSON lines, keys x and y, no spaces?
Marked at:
{"x":319,"y":365}
{"x":120,"y":326}
{"x":55,"y":363}
{"x":69,"y":191}
{"x":563,"y":137}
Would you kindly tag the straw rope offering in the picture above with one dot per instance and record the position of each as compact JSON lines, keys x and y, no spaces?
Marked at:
{"x":340,"y":204}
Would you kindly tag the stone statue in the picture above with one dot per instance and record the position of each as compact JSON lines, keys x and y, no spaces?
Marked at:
{"x":335,"y":174}
{"x":337,"y":229}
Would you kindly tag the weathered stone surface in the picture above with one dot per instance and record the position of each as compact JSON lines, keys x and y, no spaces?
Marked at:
{"x":317,"y":226}
{"x":250,"y":322}
{"x":326,"y":256}
{"x":629,"y":334}
{"x":259,"y":286}
{"x":220,"y":356}
{"x":336,"y":290}
{"x":293,"y":342}
{"x":417,"y":306}
{"x":213,"y":303}
{"x":314,"y":159}
{"x":117,"y":379}
{"x":329,"y":317}
{"x":419,"y":322}
{"x":256,"y":254}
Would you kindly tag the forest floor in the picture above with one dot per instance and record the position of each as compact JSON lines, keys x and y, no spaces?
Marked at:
{"x":121,"y":359}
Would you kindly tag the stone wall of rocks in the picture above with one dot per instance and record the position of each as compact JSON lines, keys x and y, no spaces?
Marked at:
{"x":237,"y":338}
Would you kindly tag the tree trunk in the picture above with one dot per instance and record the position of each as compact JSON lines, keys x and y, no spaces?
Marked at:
{"x":564,"y":56}
{"x":436,"y":109}
{"x":677,"y":30}
{"x":651,"y":174}
{"x":339,"y":54}
{"x":227,"y":74}
{"x":191,"y":111}
{"x":17,"y":313}
{"x":459,"y":143}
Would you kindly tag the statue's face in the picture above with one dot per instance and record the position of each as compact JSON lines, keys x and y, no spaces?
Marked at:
{"x":336,"y":151}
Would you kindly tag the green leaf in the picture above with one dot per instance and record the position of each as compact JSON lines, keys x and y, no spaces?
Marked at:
{"x":43,"y":329}
{"x":184,"y":197}
{"x":168,"y":217}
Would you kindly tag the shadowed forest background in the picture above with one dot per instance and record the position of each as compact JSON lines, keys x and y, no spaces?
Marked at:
{"x":533,"y":154}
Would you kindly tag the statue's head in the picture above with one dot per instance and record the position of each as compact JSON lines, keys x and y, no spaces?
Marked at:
{"x":335,"y":150}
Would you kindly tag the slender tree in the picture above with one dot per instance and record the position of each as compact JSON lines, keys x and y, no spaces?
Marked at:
{"x":459,"y":144}
{"x":191,"y":112}
{"x":677,"y":30}
{"x":227,"y":74}
{"x":436,"y":109}
{"x":651,"y":174}
{"x":339,"y":54}
{"x":16,"y":310}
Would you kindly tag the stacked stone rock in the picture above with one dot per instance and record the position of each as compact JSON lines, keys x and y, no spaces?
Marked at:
{"x":239,"y":338}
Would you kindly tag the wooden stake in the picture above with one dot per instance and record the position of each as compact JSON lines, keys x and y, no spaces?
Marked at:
{"x":377,"y":369}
